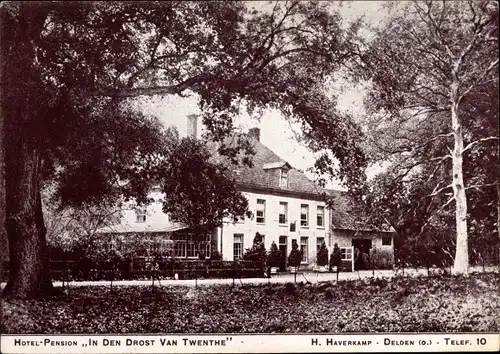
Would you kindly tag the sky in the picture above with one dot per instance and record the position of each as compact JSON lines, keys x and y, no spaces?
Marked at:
{"x":275,"y":132}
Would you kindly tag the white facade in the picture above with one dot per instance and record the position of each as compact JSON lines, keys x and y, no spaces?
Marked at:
{"x":307,"y":236}
{"x":150,"y":218}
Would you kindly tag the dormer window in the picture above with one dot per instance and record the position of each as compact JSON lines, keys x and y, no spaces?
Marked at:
{"x":283,"y":178}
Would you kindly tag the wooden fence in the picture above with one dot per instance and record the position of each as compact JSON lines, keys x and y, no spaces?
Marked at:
{"x":143,"y":268}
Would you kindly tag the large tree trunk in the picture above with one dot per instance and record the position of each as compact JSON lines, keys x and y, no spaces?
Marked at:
{"x":4,"y":256}
{"x":29,"y":261}
{"x":498,"y":198}
{"x":461,"y":263}
{"x":21,"y":25}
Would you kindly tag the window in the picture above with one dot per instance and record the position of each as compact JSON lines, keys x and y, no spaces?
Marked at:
{"x":180,"y":245}
{"x":140,"y":213}
{"x":303,"y":248}
{"x":155,"y":247}
{"x":386,"y":240}
{"x":237,"y":246}
{"x":208,"y":249}
{"x":184,"y":245}
{"x":191,"y":249}
{"x":261,"y":211}
{"x":156,"y":189}
{"x":346,"y":253}
{"x":283,"y":178}
{"x":109,"y":246}
{"x":283,"y":216}
{"x":319,"y":242}
{"x":320,"y":218}
{"x":304,"y":215}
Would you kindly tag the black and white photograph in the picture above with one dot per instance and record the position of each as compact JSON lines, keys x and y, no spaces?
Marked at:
{"x":249,"y":176}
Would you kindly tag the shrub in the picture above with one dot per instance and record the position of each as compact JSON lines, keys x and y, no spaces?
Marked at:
{"x":215,"y":255}
{"x":274,"y":256}
{"x":382,"y":259}
{"x":257,"y":252}
{"x":329,"y":293}
{"x":290,"y":288}
{"x":295,"y":255}
{"x":336,"y":257}
{"x":323,"y":255}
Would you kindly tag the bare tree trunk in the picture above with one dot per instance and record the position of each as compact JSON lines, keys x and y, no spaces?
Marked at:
{"x":461,"y":263}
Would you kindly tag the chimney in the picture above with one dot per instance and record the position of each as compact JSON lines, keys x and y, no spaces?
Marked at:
{"x":254,"y":133}
{"x":192,"y":126}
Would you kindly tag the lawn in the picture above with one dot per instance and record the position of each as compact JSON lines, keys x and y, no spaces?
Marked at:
{"x":451,"y":304}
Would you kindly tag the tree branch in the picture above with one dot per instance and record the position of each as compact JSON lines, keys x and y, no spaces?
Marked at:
{"x":478,"y":186}
{"x":436,"y":191}
{"x":478,"y":81}
{"x":470,"y":145}
{"x":440,"y":159}
{"x":155,"y":90}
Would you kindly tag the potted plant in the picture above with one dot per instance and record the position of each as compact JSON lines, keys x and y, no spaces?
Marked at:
{"x":274,"y":258}
{"x":322,"y":258}
{"x":295,"y":257}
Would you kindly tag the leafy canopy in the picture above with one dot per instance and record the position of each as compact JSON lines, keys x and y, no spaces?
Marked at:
{"x":199,"y":191}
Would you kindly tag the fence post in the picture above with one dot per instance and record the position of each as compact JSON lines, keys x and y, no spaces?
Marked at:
{"x":112,"y":276}
{"x":152,"y":276}
{"x":63,"y":274}
{"x":234,"y":270}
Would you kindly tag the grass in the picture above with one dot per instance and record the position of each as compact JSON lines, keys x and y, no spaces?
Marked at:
{"x":438,"y":304}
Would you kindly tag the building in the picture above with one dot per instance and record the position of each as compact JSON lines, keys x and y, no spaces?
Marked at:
{"x":349,"y":228}
{"x":287,"y":207}
{"x":147,"y":230}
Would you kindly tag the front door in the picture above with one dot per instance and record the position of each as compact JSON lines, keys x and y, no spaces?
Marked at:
{"x":283,"y":247}
{"x":362,"y":247}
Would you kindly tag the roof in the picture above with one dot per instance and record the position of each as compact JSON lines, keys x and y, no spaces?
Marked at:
{"x":279,"y":164}
{"x":346,"y":215}
{"x":264,"y":174}
{"x":125,"y":227}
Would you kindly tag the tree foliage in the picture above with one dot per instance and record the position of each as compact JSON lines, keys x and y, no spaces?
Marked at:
{"x":257,"y":252}
{"x":295,"y":256}
{"x":274,"y":255}
{"x":69,"y":71}
{"x":69,"y":227}
{"x":199,"y":192}
{"x":322,"y":255}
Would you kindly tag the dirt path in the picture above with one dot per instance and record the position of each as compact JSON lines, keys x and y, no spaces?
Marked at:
{"x":312,"y":277}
